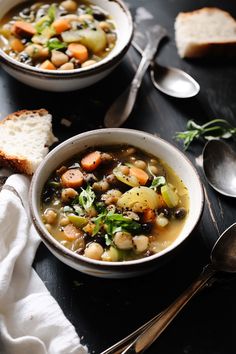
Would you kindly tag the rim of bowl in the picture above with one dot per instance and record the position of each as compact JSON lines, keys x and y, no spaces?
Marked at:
{"x":63,"y":251}
{"x":82,"y":72}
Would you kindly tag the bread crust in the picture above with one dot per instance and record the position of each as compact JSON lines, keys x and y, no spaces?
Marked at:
{"x":18,"y":163}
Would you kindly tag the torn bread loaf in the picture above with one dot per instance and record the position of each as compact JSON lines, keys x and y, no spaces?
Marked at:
{"x":204,"y":32}
{"x":24,"y":139}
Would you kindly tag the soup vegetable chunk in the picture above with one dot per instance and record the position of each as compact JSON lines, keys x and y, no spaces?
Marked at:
{"x":62,"y":35}
{"x":114,"y":204}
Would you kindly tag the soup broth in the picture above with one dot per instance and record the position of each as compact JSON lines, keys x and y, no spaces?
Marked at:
{"x":61,"y":35}
{"x":115,"y":203}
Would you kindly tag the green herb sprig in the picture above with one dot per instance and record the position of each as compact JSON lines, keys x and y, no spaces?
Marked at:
{"x":216,"y":128}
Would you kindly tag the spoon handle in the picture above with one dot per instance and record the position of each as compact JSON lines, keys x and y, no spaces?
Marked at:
{"x":149,"y":335}
{"x":123,"y":105}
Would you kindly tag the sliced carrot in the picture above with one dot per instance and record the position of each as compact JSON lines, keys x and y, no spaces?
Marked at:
{"x":61,"y":25}
{"x":140,"y":174}
{"x":148,"y":215}
{"x":71,"y":232}
{"x":23,"y":29}
{"x":91,"y":161}
{"x":47,"y":65}
{"x":17,"y":45}
{"x":72,"y":178}
{"x":79,"y":51}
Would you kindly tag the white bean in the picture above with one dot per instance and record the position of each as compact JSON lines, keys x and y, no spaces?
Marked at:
{"x":50,"y":216}
{"x":123,"y":240}
{"x":94,"y":250}
{"x":67,"y":66}
{"x":58,"y":58}
{"x":140,"y":243}
{"x":140,"y":164}
{"x":69,"y":5}
{"x":68,"y":194}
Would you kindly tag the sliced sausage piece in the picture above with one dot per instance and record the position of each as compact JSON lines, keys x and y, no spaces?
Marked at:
{"x":23,"y":29}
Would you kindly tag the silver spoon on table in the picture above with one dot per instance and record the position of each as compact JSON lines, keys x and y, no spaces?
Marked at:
{"x":120,"y":110}
{"x":222,"y":259}
{"x":219,"y":165}
{"x":171,"y":81}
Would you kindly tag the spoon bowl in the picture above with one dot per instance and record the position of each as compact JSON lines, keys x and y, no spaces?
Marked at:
{"x":219,"y":165}
{"x":223,"y":254}
{"x":171,"y":81}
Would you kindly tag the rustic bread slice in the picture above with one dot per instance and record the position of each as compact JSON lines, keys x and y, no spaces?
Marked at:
{"x":207,"y":31}
{"x":24,"y":139}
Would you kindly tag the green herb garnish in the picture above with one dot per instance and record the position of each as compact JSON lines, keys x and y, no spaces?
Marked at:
{"x":115,"y":222}
{"x":47,"y":20}
{"x":87,"y":197}
{"x":216,"y":128}
{"x":56,"y":44}
{"x":158,"y":181}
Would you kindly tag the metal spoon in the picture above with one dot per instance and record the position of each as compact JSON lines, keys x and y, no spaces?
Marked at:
{"x":171,"y":81}
{"x":219,"y":165}
{"x":120,"y":110}
{"x":223,"y":259}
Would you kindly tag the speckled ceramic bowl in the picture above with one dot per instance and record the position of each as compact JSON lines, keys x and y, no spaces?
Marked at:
{"x":153,"y":145}
{"x":68,"y":80}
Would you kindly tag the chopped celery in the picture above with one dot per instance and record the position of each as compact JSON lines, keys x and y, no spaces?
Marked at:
{"x":78,"y":221}
{"x":170,"y":196}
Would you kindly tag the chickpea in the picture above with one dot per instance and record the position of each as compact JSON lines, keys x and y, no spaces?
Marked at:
{"x":88,"y":63}
{"x":105,"y":26}
{"x":111,"y":179}
{"x":64,"y":221}
{"x":140,"y":164}
{"x":101,"y":186}
{"x":123,"y":240}
{"x":140,"y":243}
{"x":68,"y":194}
{"x":69,"y":5}
{"x":124,"y":169}
{"x":94,"y":250}
{"x":50,"y":216}
{"x":105,"y":157}
{"x":154,"y":169}
{"x":67,"y":66}
{"x":58,"y":58}
{"x":111,"y":197}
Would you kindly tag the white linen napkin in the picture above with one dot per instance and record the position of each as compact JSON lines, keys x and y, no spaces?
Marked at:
{"x":31,"y":321}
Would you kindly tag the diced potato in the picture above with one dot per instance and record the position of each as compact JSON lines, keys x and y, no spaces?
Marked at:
{"x":143,"y":196}
{"x":94,"y":40}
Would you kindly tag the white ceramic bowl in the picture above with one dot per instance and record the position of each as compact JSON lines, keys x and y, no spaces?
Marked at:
{"x":147,"y":142}
{"x":68,"y":80}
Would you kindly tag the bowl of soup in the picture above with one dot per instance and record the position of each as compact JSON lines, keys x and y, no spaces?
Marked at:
{"x":63,"y":45}
{"x":115,"y":202}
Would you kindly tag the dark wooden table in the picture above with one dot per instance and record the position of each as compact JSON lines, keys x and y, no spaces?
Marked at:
{"x":103,"y":311}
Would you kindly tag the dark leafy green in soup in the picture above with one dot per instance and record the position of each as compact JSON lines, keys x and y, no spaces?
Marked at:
{"x":61,"y":35}
{"x":114,"y":204}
